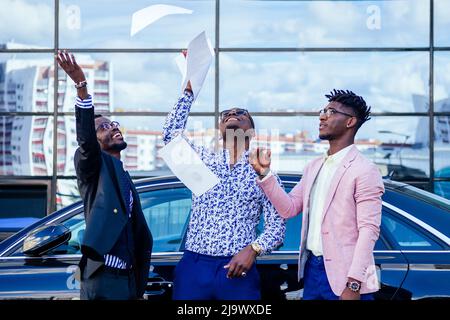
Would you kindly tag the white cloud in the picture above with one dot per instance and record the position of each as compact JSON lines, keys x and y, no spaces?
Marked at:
{"x":27,"y":22}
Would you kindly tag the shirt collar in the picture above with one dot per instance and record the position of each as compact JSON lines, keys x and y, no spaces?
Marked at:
{"x":338,"y":156}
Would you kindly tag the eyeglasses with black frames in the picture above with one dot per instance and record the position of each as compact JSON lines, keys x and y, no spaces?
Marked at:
{"x":330,"y":111}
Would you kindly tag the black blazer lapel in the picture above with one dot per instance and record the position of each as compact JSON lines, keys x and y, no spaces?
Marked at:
{"x":116,"y":168}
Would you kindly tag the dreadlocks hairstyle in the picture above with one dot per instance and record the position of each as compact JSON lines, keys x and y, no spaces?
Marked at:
{"x":351,"y":100}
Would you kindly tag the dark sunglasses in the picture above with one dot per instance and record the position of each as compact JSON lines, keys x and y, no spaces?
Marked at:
{"x":108,"y":125}
{"x":236,"y":111}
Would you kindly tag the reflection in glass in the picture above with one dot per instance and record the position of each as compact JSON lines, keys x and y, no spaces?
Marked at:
{"x":442,"y":81}
{"x":27,"y":24}
{"x":144,"y":139}
{"x":441,"y":23}
{"x":442,"y":188}
{"x":442,"y":147}
{"x":66,"y":193}
{"x":389,"y":81}
{"x":26,"y":145}
{"x":399,"y":146}
{"x":26,"y":82}
{"x":325,"y":23}
{"x":124,"y":82}
{"x":81,"y":25}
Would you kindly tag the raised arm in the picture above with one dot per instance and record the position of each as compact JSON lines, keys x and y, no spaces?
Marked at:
{"x":287,"y":205}
{"x":274,"y":226}
{"x":87,"y":156}
{"x":176,"y":120}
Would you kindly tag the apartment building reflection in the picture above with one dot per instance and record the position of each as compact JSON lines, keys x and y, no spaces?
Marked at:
{"x":27,"y":85}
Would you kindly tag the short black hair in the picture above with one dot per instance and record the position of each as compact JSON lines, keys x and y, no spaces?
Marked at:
{"x":97,"y":116}
{"x":353,"y":101}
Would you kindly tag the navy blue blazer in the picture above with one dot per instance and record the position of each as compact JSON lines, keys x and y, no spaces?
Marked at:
{"x":104,"y":205}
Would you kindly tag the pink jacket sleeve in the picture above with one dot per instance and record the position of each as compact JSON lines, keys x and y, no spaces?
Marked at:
{"x":287,"y":205}
{"x":369,"y":189}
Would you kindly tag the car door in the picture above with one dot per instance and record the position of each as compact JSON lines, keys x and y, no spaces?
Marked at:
{"x":391,"y":265}
{"x":44,"y":277}
{"x":428,"y":256}
{"x":166,"y":210}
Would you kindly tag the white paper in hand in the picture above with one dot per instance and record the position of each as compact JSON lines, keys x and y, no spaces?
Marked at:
{"x":148,"y":15}
{"x":200,"y":55}
{"x":186,"y":164}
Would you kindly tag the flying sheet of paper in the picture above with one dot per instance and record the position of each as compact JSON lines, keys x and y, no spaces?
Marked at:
{"x":186,"y":164}
{"x":148,"y":15}
{"x":200,"y":54}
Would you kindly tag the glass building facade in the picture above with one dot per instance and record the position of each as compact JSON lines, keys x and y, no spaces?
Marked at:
{"x":275,"y":58}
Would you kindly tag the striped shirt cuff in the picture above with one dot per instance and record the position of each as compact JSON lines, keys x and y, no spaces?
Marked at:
{"x":114,"y":262}
{"x":84,"y":103}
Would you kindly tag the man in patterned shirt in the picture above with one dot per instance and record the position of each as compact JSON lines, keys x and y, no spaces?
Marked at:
{"x":222,"y":242}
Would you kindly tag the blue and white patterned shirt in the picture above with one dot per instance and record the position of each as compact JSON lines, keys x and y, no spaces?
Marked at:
{"x":224,"y":220}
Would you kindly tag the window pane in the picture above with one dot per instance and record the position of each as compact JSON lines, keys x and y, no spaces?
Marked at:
{"x":441,"y":23}
{"x":389,"y":81}
{"x":133,"y":82}
{"x":442,"y":188}
{"x":406,"y":236}
{"x":21,"y":203}
{"x":26,"y":145}
{"x":26,"y":82}
{"x":144,"y":138}
{"x":404,"y":151}
{"x":107,"y":24}
{"x":67,"y":193}
{"x":324,"y":23}
{"x":166,"y":213}
{"x":442,"y":147}
{"x":27,"y":24}
{"x":442,"y":81}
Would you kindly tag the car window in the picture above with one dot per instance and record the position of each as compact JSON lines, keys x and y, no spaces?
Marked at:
{"x":166,"y":212}
{"x":406,"y":236}
{"x":76,"y":226}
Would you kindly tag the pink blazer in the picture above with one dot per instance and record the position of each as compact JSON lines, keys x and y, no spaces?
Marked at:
{"x":351,"y":218}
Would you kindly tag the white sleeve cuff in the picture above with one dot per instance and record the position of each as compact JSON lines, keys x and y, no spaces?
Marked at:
{"x":84,"y":103}
{"x":266,"y":177}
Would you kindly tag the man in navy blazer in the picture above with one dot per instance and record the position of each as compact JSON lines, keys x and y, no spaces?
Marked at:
{"x":117,"y":243}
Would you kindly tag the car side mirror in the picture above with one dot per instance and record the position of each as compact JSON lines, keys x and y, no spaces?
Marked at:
{"x":44,"y":239}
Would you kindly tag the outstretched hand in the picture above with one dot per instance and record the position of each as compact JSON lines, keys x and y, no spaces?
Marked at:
{"x":260,"y":159}
{"x":68,"y":63}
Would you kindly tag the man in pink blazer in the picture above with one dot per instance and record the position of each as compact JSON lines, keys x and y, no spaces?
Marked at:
{"x":340,"y":198}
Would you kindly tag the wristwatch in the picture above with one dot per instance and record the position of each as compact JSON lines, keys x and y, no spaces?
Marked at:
{"x":81,"y":84}
{"x":257,"y":248}
{"x":355,"y":286}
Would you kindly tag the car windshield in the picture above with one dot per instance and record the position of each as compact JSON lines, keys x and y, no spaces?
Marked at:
{"x":426,"y":196}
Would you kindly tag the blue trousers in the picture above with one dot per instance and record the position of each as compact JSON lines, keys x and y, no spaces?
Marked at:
{"x":316,"y":282}
{"x":202,"y":277}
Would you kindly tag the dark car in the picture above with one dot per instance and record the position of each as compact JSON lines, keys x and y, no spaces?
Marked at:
{"x":412,"y":254}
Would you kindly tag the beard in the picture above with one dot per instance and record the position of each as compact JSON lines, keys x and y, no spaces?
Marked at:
{"x":325,"y":137}
{"x":119,"y":146}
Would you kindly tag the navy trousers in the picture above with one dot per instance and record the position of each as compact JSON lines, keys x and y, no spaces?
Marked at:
{"x":109,"y":284}
{"x":316,"y":282}
{"x":202,"y":277}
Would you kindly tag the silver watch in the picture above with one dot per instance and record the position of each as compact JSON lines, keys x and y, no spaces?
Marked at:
{"x":355,"y":286}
